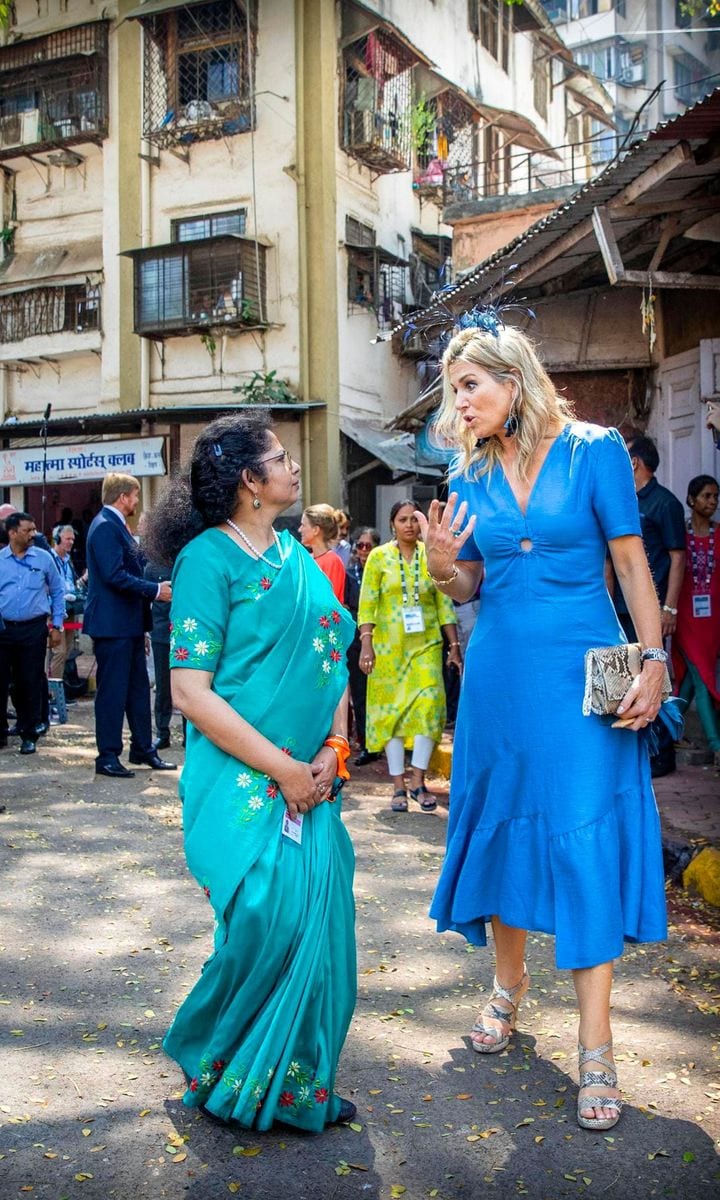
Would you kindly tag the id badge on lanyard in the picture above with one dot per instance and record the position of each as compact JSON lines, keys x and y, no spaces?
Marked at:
{"x":292,"y":827}
{"x":413,"y":620}
{"x":412,"y":614}
{"x":702,"y":606}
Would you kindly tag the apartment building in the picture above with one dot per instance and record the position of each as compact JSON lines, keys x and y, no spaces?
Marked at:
{"x":654,"y":58}
{"x":223,"y":202}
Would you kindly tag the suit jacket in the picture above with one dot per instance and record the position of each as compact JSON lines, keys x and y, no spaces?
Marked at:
{"x":118,"y":598}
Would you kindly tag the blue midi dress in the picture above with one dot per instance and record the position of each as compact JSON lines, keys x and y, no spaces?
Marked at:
{"x":553,"y":823}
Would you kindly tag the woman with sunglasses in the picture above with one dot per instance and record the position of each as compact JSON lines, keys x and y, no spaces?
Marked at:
{"x":258,"y":668}
{"x":364,"y":540}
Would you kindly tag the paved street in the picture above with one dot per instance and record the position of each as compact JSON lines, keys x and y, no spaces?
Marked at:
{"x":103,"y":931}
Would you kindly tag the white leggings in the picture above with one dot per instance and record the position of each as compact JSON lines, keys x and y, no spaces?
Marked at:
{"x":421,"y":755}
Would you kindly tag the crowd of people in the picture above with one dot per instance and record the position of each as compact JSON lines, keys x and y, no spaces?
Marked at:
{"x":556,"y":537}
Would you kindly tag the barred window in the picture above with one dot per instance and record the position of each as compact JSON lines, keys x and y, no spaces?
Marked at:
{"x":377,"y":101}
{"x":71,"y":309}
{"x":198,"y":73}
{"x":196,"y":284}
{"x":189,"y":229}
{"x":377,"y":279}
{"x":54,"y":90}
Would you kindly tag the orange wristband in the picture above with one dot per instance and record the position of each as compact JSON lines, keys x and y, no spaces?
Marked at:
{"x":341,"y":746}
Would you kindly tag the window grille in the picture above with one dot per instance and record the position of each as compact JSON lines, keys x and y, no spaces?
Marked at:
{"x":376,"y":102}
{"x":54,"y":90}
{"x":189,"y":229}
{"x":48,"y":310}
{"x":377,"y":280}
{"x":194,"y":285}
{"x":198,"y":73}
{"x":430,"y":266}
{"x":448,"y":144}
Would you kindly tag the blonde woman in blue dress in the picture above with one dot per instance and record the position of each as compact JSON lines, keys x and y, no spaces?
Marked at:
{"x":553,"y":824}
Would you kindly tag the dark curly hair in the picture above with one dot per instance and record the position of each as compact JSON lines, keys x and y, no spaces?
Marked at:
{"x":206,"y":494}
{"x":697,"y":484}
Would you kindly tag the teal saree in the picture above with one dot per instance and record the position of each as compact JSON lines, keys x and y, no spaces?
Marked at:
{"x":260,"y":1034}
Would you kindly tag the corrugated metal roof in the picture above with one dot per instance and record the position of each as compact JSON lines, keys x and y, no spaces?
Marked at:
{"x":130,"y":418}
{"x":51,"y":265}
{"x":495,"y":275}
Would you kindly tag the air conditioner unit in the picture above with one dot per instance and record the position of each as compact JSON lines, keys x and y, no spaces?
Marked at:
{"x":631,"y":73}
{"x":20,"y":129}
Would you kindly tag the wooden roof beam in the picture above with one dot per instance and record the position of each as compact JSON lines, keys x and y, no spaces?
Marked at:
{"x":681,"y":153}
{"x":615,"y":267}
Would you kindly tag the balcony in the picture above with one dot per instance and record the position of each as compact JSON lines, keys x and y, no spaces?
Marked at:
{"x":376,"y":103}
{"x":198,"y":73}
{"x":444,"y":121}
{"x":213,"y":283}
{"x":53,"y":91}
{"x":510,"y":171}
{"x":49,"y":310}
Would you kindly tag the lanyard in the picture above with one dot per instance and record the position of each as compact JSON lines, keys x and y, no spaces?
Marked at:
{"x":416,"y":588}
{"x":27,"y":566}
{"x":695,"y":559}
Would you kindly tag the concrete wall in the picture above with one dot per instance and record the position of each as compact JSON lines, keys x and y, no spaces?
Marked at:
{"x":475,"y":240}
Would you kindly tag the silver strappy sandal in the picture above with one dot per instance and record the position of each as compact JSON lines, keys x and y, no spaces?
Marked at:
{"x":597,"y":1079}
{"x":493,"y":1012}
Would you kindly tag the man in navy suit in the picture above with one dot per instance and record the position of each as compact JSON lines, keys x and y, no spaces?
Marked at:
{"x":117,"y":615}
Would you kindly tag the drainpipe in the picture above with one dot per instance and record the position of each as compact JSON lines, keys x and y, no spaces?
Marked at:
{"x":303,"y":331}
{"x":5,"y":209}
{"x":145,"y":234}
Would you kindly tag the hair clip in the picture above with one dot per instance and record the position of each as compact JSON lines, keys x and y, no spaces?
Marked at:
{"x":217,"y":449}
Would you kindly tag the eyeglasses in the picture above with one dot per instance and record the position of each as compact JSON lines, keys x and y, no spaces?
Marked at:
{"x":285,"y":455}
{"x":363,"y":545}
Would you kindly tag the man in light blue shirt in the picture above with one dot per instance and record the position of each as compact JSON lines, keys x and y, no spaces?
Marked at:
{"x":31,"y":591}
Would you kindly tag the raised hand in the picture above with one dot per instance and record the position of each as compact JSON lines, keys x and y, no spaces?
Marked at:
{"x":443,"y":534}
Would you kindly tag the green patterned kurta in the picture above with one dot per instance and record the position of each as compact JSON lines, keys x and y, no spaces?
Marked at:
{"x":405,"y":694}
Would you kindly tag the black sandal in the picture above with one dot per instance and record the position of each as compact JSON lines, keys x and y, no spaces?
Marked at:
{"x":428,"y":803}
{"x":399,"y":802}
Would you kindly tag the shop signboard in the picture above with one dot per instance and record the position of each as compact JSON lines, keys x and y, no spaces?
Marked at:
{"x":82,"y":460}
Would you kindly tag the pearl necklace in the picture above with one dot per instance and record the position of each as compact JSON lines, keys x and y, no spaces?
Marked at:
{"x":256,"y":552}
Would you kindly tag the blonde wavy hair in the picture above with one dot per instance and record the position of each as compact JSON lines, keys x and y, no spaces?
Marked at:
{"x":324,"y":518}
{"x":509,"y":355}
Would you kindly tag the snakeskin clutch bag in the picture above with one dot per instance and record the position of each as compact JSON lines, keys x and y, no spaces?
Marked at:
{"x":609,"y":673}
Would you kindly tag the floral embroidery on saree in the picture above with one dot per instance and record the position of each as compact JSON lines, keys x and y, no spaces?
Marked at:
{"x":329,"y":644}
{"x":301,"y":1087}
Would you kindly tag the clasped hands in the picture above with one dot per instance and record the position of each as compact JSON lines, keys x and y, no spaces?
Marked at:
{"x":305,"y":785}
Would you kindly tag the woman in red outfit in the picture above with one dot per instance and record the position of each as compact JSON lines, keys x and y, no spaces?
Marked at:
{"x":318,"y":528}
{"x":696,"y":641}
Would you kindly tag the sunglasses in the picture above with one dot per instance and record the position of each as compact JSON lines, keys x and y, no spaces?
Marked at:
{"x":363,"y":545}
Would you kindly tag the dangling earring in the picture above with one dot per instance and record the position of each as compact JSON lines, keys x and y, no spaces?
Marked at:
{"x":257,"y":503}
{"x":512,"y":424}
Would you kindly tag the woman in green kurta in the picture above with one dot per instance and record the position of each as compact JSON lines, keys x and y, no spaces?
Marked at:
{"x":402,"y":617}
{"x":258,"y":668}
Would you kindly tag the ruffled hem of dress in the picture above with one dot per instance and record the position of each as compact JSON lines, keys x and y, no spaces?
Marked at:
{"x":594,"y":887}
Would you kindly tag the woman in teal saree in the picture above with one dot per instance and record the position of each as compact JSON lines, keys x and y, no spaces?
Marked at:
{"x":258,"y":668}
